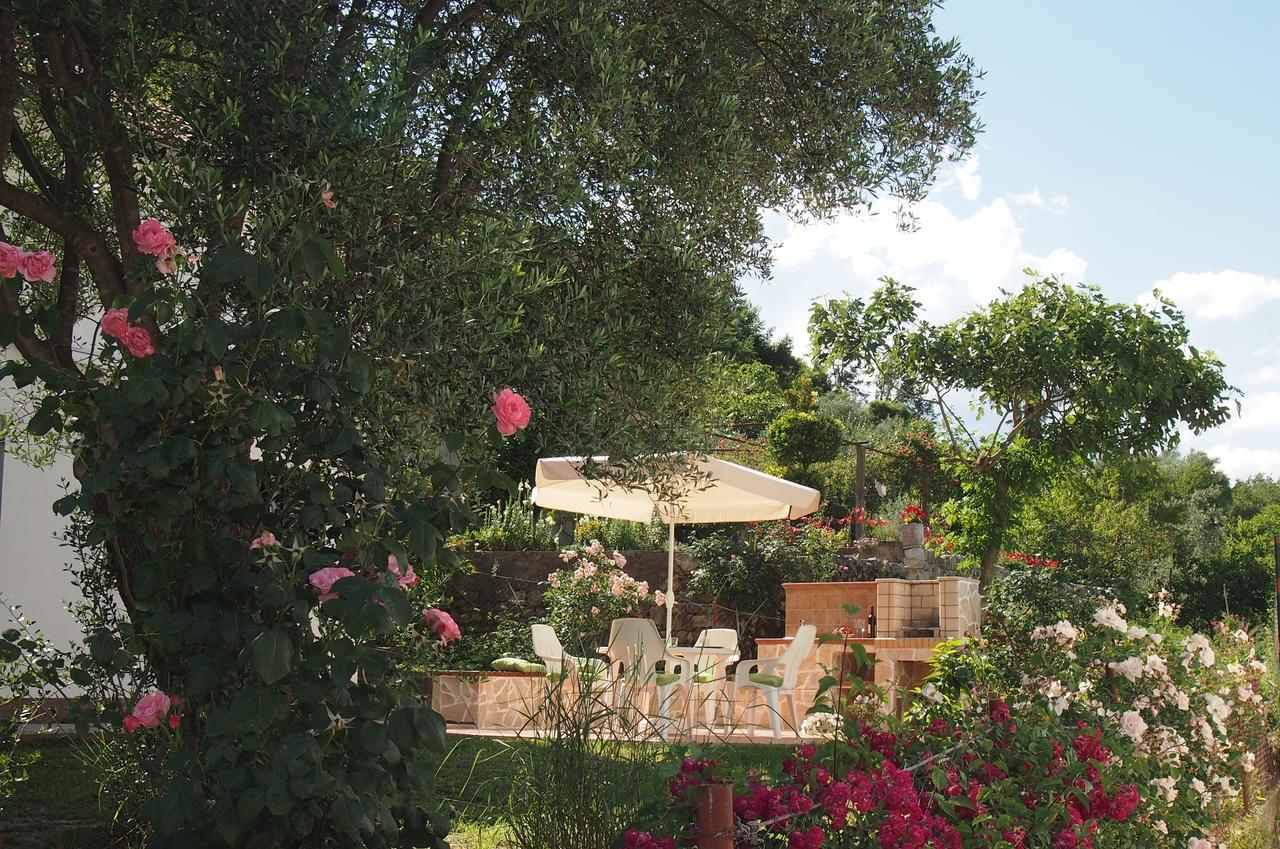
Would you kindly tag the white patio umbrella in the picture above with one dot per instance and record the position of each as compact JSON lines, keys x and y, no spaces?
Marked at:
{"x":712,"y":491}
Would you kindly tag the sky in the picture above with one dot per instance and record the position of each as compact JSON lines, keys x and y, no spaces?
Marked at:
{"x":1128,"y":145}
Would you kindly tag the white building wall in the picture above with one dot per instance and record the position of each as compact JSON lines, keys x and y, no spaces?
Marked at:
{"x":32,"y":559}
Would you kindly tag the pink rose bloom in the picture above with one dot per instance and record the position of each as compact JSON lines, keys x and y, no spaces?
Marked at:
{"x":149,"y":712}
{"x":660,"y":598}
{"x":37,"y":266}
{"x":166,"y":265}
{"x":326,"y":197}
{"x":404,"y":579}
{"x":324,"y":579}
{"x":115,"y":322}
{"x":10,"y":260}
{"x":174,"y":721}
{"x":441,"y":624}
{"x":263,"y":540}
{"x":153,"y":239}
{"x":511,"y":411}
{"x":138,"y":341}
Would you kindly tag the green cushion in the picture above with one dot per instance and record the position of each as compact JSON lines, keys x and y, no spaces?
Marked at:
{"x":707,"y":676}
{"x":765,"y":680}
{"x":518,"y":664}
{"x":667,"y":678}
{"x":588,"y":670}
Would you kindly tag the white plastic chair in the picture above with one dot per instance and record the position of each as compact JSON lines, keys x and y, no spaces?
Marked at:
{"x":636,"y":645}
{"x":560,"y":664}
{"x":706,"y":672}
{"x":764,"y":676}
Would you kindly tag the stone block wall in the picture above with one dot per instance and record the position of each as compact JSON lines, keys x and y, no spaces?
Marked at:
{"x":506,"y":579}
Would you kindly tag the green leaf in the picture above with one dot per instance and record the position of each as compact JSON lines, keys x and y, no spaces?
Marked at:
{"x":273,"y":655}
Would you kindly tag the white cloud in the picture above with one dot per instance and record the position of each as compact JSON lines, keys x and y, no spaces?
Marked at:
{"x":1263,"y":376}
{"x":1218,"y":294}
{"x":1054,"y":205}
{"x":1258,"y":411}
{"x":1240,"y":462}
{"x":968,"y":178}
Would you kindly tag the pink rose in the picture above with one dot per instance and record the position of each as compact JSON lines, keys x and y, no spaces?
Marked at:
{"x":324,"y":579}
{"x":660,"y":598}
{"x":263,"y":540}
{"x":174,"y":721}
{"x":149,"y":712}
{"x":511,"y":411}
{"x":404,"y":579}
{"x":37,"y":266}
{"x":153,"y":239}
{"x":441,"y":624}
{"x":10,"y":260}
{"x":326,"y":197}
{"x":166,"y":265}
{"x":115,"y":323}
{"x":138,"y":341}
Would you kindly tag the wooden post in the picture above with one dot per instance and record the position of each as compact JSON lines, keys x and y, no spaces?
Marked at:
{"x":714,"y":804}
{"x":860,"y":493}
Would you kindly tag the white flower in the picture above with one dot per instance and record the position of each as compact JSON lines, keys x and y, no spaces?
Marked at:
{"x":1247,"y":762}
{"x":1111,"y":618}
{"x":1155,"y":665}
{"x":1131,"y":668}
{"x":1257,"y":666}
{"x":1241,"y":635}
{"x":1198,"y":644}
{"x":1218,"y":708}
{"x":1133,"y":726}
{"x":930,"y":692}
{"x":1137,"y":632}
{"x":1168,"y":786}
{"x":1199,"y":843}
{"x":1160,"y":826}
{"x":825,"y":725}
{"x":1059,"y":701}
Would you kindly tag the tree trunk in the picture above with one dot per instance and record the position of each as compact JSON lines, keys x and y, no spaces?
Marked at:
{"x":988,"y":572}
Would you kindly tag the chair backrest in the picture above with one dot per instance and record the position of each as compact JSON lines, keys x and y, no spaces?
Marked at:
{"x":636,"y":644}
{"x":548,"y":648}
{"x":715,"y":638}
{"x":801,"y":645}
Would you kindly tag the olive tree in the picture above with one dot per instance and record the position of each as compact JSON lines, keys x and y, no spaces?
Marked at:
{"x":267,"y":265}
{"x":1052,"y":373}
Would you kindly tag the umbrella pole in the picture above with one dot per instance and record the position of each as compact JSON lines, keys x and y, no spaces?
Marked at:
{"x":671,"y":574}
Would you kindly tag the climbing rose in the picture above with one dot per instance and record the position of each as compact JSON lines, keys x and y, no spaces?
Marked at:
{"x":138,"y":341}
{"x":404,"y":579}
{"x":441,"y":624}
{"x":166,"y":265}
{"x":10,"y":259}
{"x":324,"y":579}
{"x":263,"y":540}
{"x":115,"y":322}
{"x":37,"y":266}
{"x":148,"y":712}
{"x":326,"y":197}
{"x":660,"y":598}
{"x":511,"y":411}
{"x":152,"y":238}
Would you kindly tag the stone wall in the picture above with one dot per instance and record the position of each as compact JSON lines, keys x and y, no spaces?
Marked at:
{"x":507,"y":579}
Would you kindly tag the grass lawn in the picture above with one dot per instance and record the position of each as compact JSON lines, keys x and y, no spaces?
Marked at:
{"x":57,"y":806}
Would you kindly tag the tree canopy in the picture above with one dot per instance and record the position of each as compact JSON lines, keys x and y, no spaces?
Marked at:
{"x":277,"y":261}
{"x":1053,"y":373}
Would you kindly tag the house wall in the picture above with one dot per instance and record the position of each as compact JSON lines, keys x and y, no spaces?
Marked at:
{"x":32,"y":560}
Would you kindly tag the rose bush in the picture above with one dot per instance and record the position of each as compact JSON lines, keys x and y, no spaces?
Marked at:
{"x":590,"y":592}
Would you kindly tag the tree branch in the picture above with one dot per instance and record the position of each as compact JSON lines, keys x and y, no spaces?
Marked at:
{"x":108,"y":274}
{"x":68,"y":303}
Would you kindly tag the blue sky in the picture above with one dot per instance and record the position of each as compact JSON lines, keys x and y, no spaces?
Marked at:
{"x":1130,"y":145}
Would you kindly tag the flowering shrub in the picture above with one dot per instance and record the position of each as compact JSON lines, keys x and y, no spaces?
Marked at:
{"x":589,"y":593}
{"x":1124,"y":737}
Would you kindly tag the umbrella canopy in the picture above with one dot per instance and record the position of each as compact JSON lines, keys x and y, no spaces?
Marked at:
{"x":712,"y":490}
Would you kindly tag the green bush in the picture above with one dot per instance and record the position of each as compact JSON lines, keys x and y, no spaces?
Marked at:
{"x":802,"y":439}
{"x":505,"y":634}
{"x":510,"y":525}
{"x":743,"y":568}
{"x":621,"y":535}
